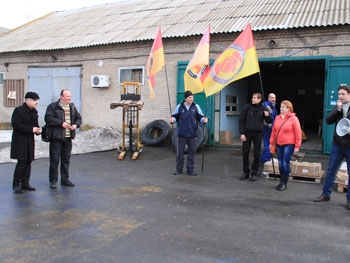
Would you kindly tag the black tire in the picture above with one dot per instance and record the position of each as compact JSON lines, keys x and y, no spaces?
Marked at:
{"x":155,"y":132}
{"x":199,"y":138}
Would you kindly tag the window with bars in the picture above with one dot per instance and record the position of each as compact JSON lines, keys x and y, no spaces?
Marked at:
{"x":13,"y":92}
{"x":131,"y":74}
{"x":231,"y":105}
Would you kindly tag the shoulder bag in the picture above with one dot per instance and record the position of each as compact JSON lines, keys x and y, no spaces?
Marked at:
{"x":274,"y":143}
{"x":45,"y":133}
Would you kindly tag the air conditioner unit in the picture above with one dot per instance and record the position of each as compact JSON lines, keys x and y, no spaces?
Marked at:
{"x":99,"y":81}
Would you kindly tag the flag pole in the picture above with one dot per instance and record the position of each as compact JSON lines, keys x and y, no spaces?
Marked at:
{"x":262,"y":88}
{"x":204,"y":135}
{"x":167,"y":84}
{"x":171,"y":112}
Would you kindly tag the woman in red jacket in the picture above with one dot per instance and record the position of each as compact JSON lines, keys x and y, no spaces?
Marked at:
{"x":286,"y":134}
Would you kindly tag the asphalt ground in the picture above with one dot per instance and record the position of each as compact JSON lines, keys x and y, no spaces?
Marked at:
{"x":137,"y":211}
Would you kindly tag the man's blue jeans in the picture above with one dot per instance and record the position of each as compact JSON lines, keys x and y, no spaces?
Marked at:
{"x":284,"y":155}
{"x":266,"y":155}
{"x":337,"y":155}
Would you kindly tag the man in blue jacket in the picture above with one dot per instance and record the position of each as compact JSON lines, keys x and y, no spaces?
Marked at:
{"x":187,"y":114}
{"x":63,"y":119}
{"x":270,"y":104}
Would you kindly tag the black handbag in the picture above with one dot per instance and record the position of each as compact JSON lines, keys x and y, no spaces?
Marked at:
{"x":45,"y":134}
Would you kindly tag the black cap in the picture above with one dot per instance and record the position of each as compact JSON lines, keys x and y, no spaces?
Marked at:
{"x":32,"y":95}
{"x":188,"y":93}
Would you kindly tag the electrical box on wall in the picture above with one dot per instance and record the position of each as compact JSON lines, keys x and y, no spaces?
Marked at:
{"x":100,"y":81}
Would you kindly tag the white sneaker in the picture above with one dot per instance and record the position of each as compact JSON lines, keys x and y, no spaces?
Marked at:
{"x":265,"y":175}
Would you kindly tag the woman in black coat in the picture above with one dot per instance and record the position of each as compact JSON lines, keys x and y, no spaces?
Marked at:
{"x":25,"y":124}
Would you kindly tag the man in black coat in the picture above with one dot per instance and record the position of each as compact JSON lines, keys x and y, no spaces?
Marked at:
{"x":25,"y":124}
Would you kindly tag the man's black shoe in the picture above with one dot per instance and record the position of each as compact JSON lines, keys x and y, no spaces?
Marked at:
{"x":18,"y":190}
{"x":348,"y":205}
{"x":28,"y":187}
{"x":53,"y":186}
{"x":67,"y":183}
{"x":253,"y":178}
{"x":322,"y":198}
{"x":178,"y":172}
{"x":191,"y":173}
{"x":244,"y":176}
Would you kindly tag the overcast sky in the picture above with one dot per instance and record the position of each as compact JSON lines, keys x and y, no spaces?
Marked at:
{"x":15,"y":13}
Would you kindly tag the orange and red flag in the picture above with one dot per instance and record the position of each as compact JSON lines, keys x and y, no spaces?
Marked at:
{"x":155,"y":61}
{"x":198,"y":67}
{"x":239,"y":60}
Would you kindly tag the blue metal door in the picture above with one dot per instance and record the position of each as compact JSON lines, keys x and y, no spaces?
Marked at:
{"x":338,"y":73}
{"x":48,"y":83}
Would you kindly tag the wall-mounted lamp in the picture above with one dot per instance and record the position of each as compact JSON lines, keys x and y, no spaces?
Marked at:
{"x":52,"y":58}
{"x":6,"y":64}
{"x":271,"y":43}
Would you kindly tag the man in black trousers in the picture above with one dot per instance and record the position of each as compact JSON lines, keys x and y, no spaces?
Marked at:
{"x":187,"y":114}
{"x":62,"y":118}
{"x":251,"y":128}
{"x":25,"y":124}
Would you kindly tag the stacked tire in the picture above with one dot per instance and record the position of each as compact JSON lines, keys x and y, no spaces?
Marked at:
{"x":155,"y":132}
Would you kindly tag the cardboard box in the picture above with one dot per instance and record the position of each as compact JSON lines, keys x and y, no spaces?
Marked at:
{"x":342,"y":177}
{"x":226,"y":137}
{"x":268,"y":166}
{"x":306,"y":169}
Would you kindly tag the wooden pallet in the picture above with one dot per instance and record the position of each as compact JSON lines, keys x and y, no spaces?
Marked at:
{"x":272,"y":176}
{"x":342,"y":188}
{"x":305,"y":179}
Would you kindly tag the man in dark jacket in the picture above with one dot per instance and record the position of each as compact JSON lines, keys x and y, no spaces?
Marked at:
{"x":63,"y":119}
{"x":341,"y":144}
{"x":187,"y":114}
{"x":250,"y":128}
{"x":25,"y":124}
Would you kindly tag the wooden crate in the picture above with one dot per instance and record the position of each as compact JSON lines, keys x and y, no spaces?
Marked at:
{"x":268,"y":168}
{"x":343,"y":188}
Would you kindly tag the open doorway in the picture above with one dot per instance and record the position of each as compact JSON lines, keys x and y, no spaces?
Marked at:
{"x":300,"y":81}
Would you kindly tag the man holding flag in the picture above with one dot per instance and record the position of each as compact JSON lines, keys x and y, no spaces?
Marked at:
{"x":250,"y":128}
{"x":187,"y":114}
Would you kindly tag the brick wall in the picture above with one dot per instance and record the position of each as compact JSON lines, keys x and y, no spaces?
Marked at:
{"x":309,"y":42}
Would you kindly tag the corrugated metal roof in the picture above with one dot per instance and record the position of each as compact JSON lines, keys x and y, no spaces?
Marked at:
{"x":138,"y":20}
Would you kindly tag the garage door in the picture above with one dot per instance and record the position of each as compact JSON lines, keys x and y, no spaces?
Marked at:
{"x":48,"y":83}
